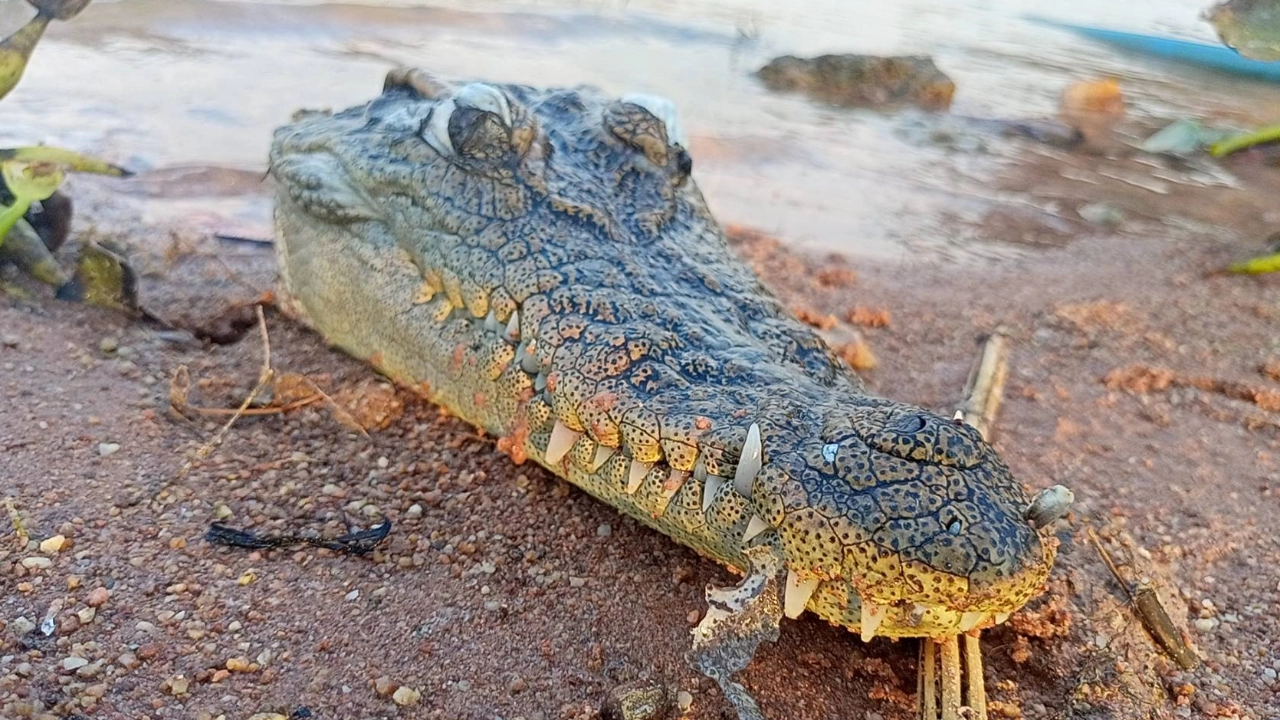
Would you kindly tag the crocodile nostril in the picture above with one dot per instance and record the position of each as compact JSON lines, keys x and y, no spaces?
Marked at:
{"x":911,"y":424}
{"x":684,"y":163}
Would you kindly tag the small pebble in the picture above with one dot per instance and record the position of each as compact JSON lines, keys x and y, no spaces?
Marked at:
{"x":1205,"y":624}
{"x":605,"y":530}
{"x":74,"y":663}
{"x":49,"y":546}
{"x":36,"y":563}
{"x":177,"y":685}
{"x":352,"y":596}
{"x":405,"y":696}
{"x":86,"y":615}
{"x":108,"y":344}
{"x":384,"y":686}
{"x":21,"y":626}
{"x":108,"y":449}
{"x":98,"y":597}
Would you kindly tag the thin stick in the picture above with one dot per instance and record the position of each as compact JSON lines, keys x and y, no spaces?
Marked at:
{"x":265,"y":376}
{"x":1154,"y":617}
{"x":929,"y":679}
{"x":950,"y":677}
{"x":985,"y":388}
{"x":977,"y":699}
{"x":258,"y":412}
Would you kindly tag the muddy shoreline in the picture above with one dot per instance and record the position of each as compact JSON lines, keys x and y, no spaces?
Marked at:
{"x":505,"y":593}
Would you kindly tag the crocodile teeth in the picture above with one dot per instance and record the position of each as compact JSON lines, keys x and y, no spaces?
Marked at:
{"x":491,"y":322}
{"x":603,"y":453}
{"x":798,"y":594}
{"x":710,"y":487}
{"x":513,"y":327}
{"x":970,"y":620}
{"x":529,"y":362}
{"x":872,"y":616}
{"x":636,"y":475}
{"x":562,"y":438}
{"x":754,"y":528}
{"x":750,"y":463}
{"x":1001,"y":617}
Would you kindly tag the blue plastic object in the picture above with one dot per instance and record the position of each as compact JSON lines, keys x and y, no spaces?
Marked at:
{"x":1214,"y":57}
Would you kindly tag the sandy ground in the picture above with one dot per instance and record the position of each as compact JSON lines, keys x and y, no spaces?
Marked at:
{"x":1138,"y":379}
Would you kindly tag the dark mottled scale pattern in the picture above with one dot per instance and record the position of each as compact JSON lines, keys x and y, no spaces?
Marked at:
{"x":640,"y":329}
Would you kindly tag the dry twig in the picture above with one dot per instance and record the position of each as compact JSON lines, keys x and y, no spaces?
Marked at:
{"x":1146,"y":604}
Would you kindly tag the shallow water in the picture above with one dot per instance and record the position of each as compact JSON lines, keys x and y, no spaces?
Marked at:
{"x":165,"y":83}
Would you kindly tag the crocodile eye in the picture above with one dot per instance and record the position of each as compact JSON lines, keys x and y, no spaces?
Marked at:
{"x":476,"y":114}
{"x":954,"y":527}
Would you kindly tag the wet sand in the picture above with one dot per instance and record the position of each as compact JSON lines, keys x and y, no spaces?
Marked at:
{"x":503,"y":592}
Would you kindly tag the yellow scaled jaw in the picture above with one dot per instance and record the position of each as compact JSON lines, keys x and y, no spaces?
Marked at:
{"x":917,"y":602}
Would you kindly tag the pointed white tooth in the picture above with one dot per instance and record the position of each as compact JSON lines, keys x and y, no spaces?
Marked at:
{"x":529,"y":362}
{"x":513,"y":327}
{"x":603,"y":453}
{"x":485,"y":97}
{"x":970,"y":620}
{"x":798,"y":594}
{"x":872,"y":616}
{"x":562,"y":438}
{"x":754,"y":528}
{"x":710,"y":487}
{"x":1001,"y":617}
{"x":436,"y":134}
{"x":699,"y":470}
{"x":491,"y":322}
{"x":636,"y":476}
{"x":749,"y":465}
{"x":958,"y":417}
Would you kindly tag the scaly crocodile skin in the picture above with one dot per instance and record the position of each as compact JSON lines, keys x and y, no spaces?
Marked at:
{"x":541,"y":263}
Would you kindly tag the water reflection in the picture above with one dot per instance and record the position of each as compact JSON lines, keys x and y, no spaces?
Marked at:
{"x":184,"y":82}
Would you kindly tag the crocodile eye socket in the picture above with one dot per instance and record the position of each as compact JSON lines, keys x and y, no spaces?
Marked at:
{"x":474,"y":123}
{"x":477,"y":133}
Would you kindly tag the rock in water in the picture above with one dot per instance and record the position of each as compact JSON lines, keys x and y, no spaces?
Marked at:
{"x":862,"y":80}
